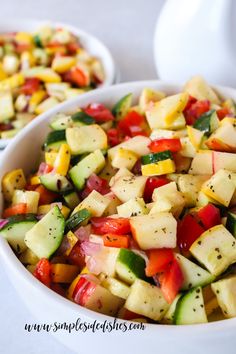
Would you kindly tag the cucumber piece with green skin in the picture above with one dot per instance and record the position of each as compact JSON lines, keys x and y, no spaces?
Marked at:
{"x":14,"y":232}
{"x":231,"y":223}
{"x":190,"y":308}
{"x":193,"y":274}
{"x":61,"y":122}
{"x":92,"y":163}
{"x":156,"y":157}
{"x":207,"y":122}
{"x":55,"y":139}
{"x":122,"y":107}
{"x":130,"y":266}
{"x":46,"y":235}
{"x":55,"y":182}
{"x":22,"y":217}
{"x":37,"y":41}
{"x":77,"y":218}
{"x":82,"y":118}
{"x":169,"y":315}
{"x":72,"y":199}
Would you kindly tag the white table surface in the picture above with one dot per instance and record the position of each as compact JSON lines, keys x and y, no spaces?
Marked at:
{"x":126,"y":27}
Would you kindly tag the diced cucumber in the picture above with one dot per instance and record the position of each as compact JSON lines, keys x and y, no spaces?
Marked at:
{"x":82,"y":118}
{"x":122,"y":107}
{"x":231,"y":223}
{"x":55,"y":182}
{"x":72,"y":199}
{"x":77,"y":218}
{"x":45,"y":237}
{"x":207,"y":122}
{"x":14,"y":232}
{"x":61,"y":122}
{"x":225,"y":291}
{"x":55,"y":139}
{"x":92,"y":163}
{"x":193,"y":274}
{"x":115,"y":286}
{"x":156,"y":157}
{"x":190,"y":308}
{"x":169,"y":315}
{"x":130,"y":266}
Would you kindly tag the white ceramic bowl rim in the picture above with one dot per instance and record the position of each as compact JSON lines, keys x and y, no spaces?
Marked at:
{"x":94,"y":45}
{"x":11,"y":261}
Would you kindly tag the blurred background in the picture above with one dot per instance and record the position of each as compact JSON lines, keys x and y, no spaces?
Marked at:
{"x":126,"y":27}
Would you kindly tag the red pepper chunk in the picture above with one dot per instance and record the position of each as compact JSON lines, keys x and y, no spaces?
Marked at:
{"x":209,"y":215}
{"x":43,"y":271}
{"x":151,"y":184}
{"x":30,"y":86}
{"x":132,"y":124}
{"x":106,"y":225}
{"x":159,"y":145}
{"x":99,"y":112}
{"x":158,"y":260}
{"x":188,"y":231}
{"x":224,"y":112}
{"x":20,"y":208}
{"x":193,"y":111}
{"x":171,"y":281}
{"x":113,"y":137}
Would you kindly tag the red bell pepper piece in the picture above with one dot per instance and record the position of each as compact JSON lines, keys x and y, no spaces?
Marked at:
{"x":43,"y":271}
{"x":107,"y":225}
{"x":132,"y":124}
{"x":209,"y":215}
{"x":20,"y":208}
{"x":151,"y":184}
{"x":174,"y":145}
{"x":30,"y":86}
{"x":72,"y":47}
{"x":188,"y":231}
{"x":195,"y":110}
{"x":158,"y":260}
{"x":77,"y":77}
{"x":171,"y":281}
{"x":99,"y":112}
{"x":224,"y":112}
{"x":118,"y":241}
{"x":113,"y":137}
{"x":46,"y":196}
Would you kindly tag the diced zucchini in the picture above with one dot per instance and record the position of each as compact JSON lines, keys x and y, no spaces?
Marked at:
{"x":61,"y":64}
{"x":129,"y":187}
{"x":132,"y":207}
{"x":82,"y":118}
{"x":195,"y":136}
{"x":208,"y":122}
{"x":28,"y":257}
{"x":124,"y":158}
{"x":55,"y":139}
{"x":46,"y":235}
{"x":225,"y":291}
{"x":170,"y":314}
{"x":149,"y":95}
{"x":189,"y":186}
{"x":158,"y":168}
{"x":78,"y":218}
{"x":62,"y":160}
{"x":231,"y":223}
{"x":115,"y":286}
{"x":47,"y":104}
{"x":11,"y":181}
{"x":215,"y":249}
{"x":6,"y":106}
{"x":14,"y":232}
{"x":187,"y":149}
{"x":95,"y":203}
{"x":31,"y":198}
{"x":220,"y":187}
{"x":122,"y":107}
{"x":130,"y":266}
{"x":154,"y":231}
{"x":146,"y":300}
{"x":71,"y":198}
{"x":55,"y":182}
{"x":202,"y":163}
{"x":156,"y":157}
{"x":190,"y":308}
{"x":122,"y":172}
{"x":86,"y":138}
{"x":92,"y":163}
{"x":61,"y":121}
{"x":138,"y":145}
{"x":193,"y":274}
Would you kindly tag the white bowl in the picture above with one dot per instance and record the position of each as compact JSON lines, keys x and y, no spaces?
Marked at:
{"x":48,"y":307}
{"x":91,"y":43}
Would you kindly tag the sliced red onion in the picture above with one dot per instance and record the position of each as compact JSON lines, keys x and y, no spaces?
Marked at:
{"x":83,"y":233}
{"x":42,"y":168}
{"x":91,"y":277}
{"x":90,"y":248}
{"x":3,"y":222}
{"x":78,"y":293}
